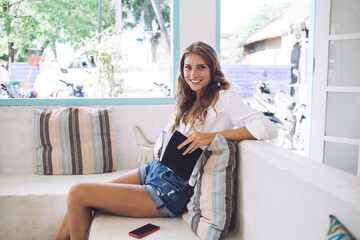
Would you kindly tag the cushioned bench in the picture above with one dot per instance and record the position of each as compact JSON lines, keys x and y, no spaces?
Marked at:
{"x":279,"y":194}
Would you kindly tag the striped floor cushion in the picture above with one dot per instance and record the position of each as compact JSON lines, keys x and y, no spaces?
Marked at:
{"x":210,"y":208}
{"x":74,"y":141}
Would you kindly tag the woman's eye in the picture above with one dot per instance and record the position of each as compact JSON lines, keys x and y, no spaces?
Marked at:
{"x":202,"y":67}
{"x":187,"y":67}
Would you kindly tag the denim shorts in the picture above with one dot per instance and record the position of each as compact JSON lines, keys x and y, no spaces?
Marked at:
{"x":169,"y":192}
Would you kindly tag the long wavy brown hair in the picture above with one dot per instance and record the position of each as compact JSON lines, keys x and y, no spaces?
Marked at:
{"x":185,"y":97}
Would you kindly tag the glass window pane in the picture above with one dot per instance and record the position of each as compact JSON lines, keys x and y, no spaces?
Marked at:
{"x":344,"y":63}
{"x":131,"y":62}
{"x":341,"y":156}
{"x":145,"y":65}
{"x":345,"y":16}
{"x":343,"y":115}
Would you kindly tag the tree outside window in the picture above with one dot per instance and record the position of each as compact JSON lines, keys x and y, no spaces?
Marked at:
{"x":139,"y":50}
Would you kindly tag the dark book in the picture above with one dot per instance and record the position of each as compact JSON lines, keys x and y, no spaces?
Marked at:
{"x":174,"y":159}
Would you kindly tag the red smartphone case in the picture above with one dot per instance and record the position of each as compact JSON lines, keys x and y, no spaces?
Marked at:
{"x":143,"y":230}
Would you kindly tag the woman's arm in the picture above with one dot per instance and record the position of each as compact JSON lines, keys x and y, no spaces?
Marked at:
{"x":197,"y":139}
{"x":237,"y":134}
{"x":252,"y":124}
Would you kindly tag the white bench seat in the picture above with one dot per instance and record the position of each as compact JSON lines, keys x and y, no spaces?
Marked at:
{"x":31,"y":184}
{"x":109,"y":227}
{"x":30,"y":203}
{"x":279,"y":195}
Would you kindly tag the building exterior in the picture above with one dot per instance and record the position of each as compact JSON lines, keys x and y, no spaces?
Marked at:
{"x":283,"y":41}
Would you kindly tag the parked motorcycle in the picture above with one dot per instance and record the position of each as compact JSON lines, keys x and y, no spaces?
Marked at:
{"x":284,"y":112}
{"x":13,"y":91}
{"x":163,"y":90}
{"x":6,"y":92}
{"x":70,"y":91}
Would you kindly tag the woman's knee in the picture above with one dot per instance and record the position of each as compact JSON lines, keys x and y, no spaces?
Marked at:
{"x":77,"y":194}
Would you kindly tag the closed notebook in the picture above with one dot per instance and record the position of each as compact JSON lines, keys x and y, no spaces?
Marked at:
{"x":174,"y":159}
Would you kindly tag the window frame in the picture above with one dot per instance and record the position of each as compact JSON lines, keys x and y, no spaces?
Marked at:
{"x":175,"y":55}
{"x":320,"y":87}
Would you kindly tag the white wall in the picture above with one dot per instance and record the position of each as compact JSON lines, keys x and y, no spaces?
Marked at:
{"x":197,"y":22}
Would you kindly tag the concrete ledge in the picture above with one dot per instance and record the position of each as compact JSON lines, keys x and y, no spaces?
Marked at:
{"x":282,"y":195}
{"x":32,"y":206}
{"x":31,"y":217}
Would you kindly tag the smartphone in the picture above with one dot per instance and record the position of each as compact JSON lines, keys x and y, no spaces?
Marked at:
{"x":144,"y":230}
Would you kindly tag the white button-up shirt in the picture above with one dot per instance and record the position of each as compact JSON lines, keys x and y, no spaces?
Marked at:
{"x":231,"y":112}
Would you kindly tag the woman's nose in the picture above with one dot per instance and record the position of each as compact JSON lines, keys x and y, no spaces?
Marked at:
{"x":193,"y":73}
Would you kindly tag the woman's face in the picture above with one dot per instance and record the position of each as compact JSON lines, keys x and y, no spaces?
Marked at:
{"x":196,"y":72}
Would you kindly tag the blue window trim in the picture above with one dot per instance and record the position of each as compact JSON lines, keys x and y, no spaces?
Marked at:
{"x":175,"y":42}
{"x":85,"y":101}
{"x":218,"y":29}
{"x":311,"y":70}
{"x":115,"y":101}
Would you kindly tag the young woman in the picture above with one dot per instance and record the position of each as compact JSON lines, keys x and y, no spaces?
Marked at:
{"x":205,"y":106}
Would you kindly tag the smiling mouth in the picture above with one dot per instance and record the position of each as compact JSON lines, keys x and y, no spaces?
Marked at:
{"x":195,"y":81}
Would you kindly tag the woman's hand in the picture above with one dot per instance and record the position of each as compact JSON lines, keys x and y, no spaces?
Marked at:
{"x":197,"y":139}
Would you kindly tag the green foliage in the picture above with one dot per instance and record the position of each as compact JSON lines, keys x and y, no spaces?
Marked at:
{"x":41,"y":23}
{"x":134,"y":11}
{"x":45,"y":23}
{"x":18,"y":25}
{"x":107,"y":55}
{"x":261,"y":18}
{"x":266,"y":14}
{"x":141,"y":13}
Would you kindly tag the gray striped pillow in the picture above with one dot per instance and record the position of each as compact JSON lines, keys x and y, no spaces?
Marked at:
{"x":210,"y":208}
{"x":74,"y":141}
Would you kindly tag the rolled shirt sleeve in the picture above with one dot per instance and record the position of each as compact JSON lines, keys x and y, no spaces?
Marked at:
{"x":262,"y":130}
{"x":241,"y":114}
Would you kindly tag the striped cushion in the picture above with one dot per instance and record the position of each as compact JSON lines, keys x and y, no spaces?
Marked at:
{"x":74,"y":141}
{"x":338,"y":231}
{"x":210,"y":208}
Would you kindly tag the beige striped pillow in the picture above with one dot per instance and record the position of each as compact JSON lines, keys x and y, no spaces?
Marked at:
{"x":74,"y":140}
{"x":210,"y":208}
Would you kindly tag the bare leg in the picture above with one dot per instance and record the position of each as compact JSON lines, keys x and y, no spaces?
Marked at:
{"x":63,"y":232}
{"x":120,"y":199}
{"x":131,"y":177}
{"x":85,"y":192}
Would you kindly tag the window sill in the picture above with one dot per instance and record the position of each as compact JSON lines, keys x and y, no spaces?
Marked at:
{"x":86,"y":101}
